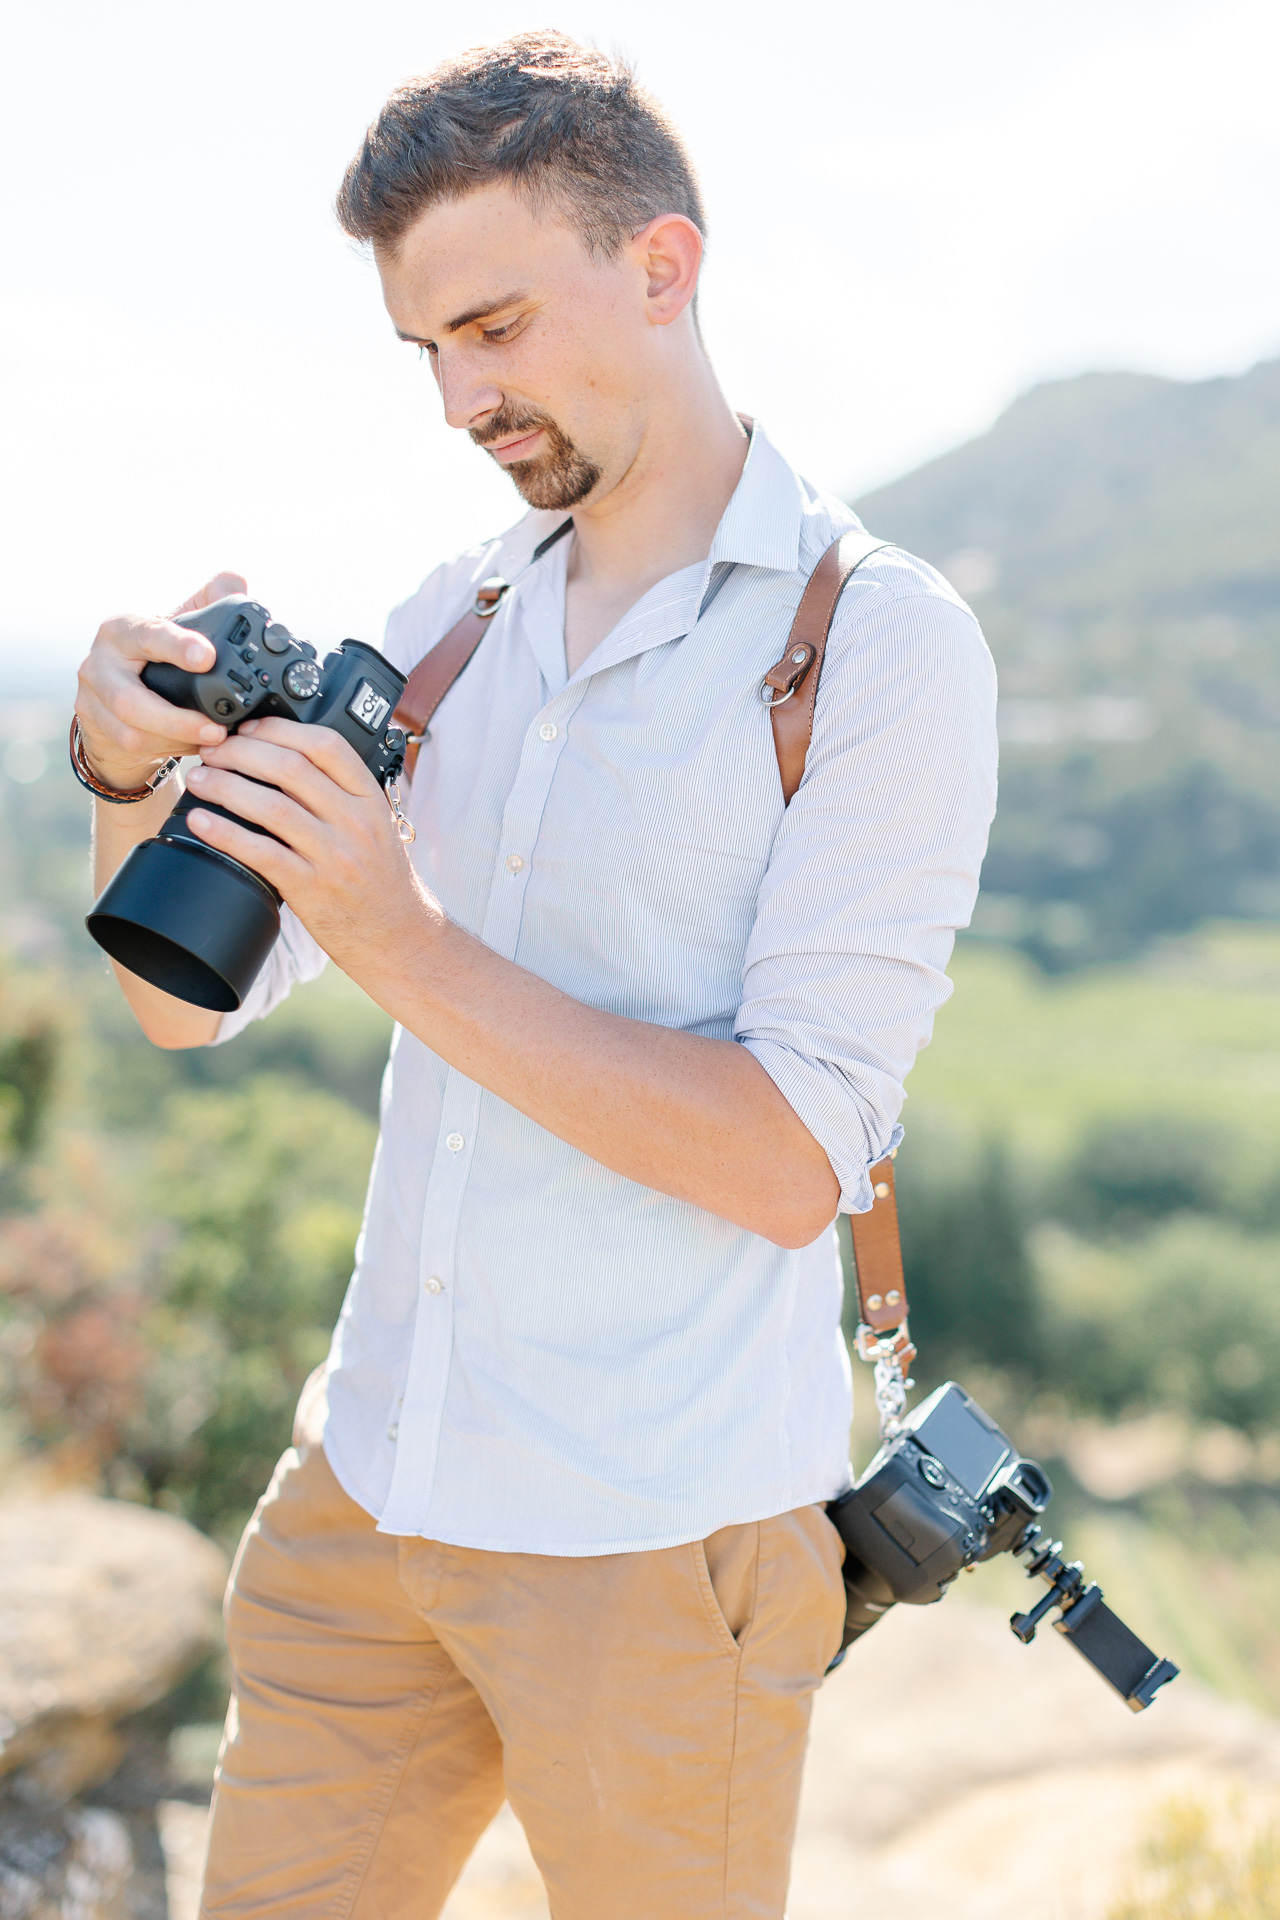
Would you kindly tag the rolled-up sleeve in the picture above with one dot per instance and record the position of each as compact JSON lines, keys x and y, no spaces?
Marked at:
{"x":874,"y":868}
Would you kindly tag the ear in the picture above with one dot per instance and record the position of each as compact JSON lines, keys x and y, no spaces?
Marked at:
{"x":669,"y":252}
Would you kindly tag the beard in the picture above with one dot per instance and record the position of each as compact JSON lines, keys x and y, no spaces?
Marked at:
{"x":554,"y":480}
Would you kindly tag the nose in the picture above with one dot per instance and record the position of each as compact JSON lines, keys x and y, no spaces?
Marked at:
{"x":468,"y":397}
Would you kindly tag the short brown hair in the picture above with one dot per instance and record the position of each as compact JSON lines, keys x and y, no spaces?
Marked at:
{"x":560,"y":123}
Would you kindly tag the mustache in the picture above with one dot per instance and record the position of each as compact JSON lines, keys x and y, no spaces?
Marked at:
{"x":508,"y":420}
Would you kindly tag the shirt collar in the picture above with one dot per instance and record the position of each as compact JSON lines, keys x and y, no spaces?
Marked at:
{"x":760,"y":527}
{"x":761,"y":524}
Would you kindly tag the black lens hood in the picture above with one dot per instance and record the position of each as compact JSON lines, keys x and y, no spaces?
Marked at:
{"x":188,"y":920}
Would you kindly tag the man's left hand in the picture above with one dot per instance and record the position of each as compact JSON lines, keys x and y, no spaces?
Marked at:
{"x":337,"y":858}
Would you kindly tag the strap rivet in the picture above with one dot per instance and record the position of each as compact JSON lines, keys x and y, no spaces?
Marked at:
{"x":881,"y":1189}
{"x":874,"y":1302}
{"x":892,"y":1299}
{"x":799,"y":657}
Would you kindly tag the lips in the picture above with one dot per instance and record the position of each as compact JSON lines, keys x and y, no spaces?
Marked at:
{"x":509,"y":450}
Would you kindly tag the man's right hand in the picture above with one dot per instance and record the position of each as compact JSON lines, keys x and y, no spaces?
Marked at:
{"x":128,"y":730}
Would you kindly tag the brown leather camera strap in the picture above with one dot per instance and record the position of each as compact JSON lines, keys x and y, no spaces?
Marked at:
{"x":877,"y":1253}
{"x":791,"y":687}
{"x":438,"y":668}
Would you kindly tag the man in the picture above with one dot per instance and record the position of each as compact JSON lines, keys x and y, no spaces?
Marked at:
{"x":553,"y":1525}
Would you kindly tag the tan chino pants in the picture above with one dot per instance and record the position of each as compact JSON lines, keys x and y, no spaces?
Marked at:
{"x":645,"y":1713}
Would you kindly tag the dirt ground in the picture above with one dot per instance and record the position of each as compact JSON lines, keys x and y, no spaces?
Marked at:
{"x":950,"y":1771}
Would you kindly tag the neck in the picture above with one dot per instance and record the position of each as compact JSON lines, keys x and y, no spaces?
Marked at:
{"x":663,"y":513}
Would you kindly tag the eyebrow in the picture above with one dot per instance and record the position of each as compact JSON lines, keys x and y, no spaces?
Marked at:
{"x":472,"y":314}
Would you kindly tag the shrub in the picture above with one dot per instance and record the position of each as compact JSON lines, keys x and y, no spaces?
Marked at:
{"x":969,"y":1277}
{"x":1188,"y":1316}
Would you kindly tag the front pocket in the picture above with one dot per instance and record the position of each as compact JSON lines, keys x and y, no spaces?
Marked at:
{"x":730,"y":1591}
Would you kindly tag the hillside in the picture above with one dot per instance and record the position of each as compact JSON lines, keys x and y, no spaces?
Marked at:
{"x":1112,"y":493}
{"x":1119,"y":537}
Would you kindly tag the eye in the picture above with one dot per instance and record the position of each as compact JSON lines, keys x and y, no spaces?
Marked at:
{"x":496,"y":336}
{"x":427,"y":348}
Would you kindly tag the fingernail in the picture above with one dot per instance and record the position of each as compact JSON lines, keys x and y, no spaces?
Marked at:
{"x":196,"y":775}
{"x":199,"y":818}
{"x":250,"y":726}
{"x":196,"y":656}
{"x":211,"y":734}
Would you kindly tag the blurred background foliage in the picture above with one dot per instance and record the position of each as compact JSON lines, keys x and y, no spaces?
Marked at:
{"x":1090,"y":1188}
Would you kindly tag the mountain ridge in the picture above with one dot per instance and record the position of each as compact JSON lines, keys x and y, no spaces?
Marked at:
{"x":1111,"y":493}
{"x":1118,"y":535}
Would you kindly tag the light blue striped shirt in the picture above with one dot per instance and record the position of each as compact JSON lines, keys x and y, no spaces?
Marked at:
{"x":536,"y":1354}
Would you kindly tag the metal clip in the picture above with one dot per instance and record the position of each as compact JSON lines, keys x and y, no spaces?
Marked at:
{"x":800,"y":661}
{"x":892,"y":1354}
{"x":489,"y":596}
{"x":404,"y":825}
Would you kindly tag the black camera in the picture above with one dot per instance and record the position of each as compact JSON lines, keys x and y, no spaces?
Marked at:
{"x":180,"y":915}
{"x":948,"y":1490}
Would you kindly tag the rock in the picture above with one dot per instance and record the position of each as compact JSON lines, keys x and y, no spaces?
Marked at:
{"x":184,"y":1830}
{"x":103,"y":1607}
{"x":76,"y":1864}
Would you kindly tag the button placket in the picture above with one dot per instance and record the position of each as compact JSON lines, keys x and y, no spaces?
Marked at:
{"x":419,"y":1419}
{"x":522,"y":819}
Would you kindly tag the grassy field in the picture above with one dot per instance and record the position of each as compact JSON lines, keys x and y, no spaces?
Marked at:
{"x":1193,"y":1033}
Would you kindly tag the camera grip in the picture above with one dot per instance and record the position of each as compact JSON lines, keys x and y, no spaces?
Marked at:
{"x":173,"y":684}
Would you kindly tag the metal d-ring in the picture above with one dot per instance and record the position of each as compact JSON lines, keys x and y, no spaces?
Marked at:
{"x":496,"y":587}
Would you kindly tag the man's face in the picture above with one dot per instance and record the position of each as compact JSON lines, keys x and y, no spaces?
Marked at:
{"x":541,"y":351}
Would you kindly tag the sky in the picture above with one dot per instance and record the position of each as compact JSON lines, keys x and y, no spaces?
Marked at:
{"x":917,"y":210}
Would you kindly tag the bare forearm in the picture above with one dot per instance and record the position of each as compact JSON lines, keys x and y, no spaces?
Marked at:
{"x":696,"y":1118}
{"x":127,"y":733}
{"x":116,"y":831}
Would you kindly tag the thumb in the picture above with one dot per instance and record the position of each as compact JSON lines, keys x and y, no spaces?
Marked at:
{"x":215,"y":589}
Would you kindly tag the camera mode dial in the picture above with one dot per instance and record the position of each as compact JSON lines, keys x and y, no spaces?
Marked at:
{"x":302,"y":680}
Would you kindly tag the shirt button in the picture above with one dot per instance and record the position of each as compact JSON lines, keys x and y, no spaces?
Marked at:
{"x":514,"y":863}
{"x":393,"y":1431}
{"x":548,"y":730}
{"x":455,"y":1142}
{"x":434,"y":1284}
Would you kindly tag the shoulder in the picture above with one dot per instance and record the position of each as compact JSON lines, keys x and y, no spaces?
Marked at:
{"x":902,"y":640}
{"x":891,"y":587}
{"x":417,"y":623}
{"x":897,"y":609}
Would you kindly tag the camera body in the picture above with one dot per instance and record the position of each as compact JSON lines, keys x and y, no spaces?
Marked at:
{"x":261,"y":670}
{"x":950,"y":1489}
{"x":183,"y":916}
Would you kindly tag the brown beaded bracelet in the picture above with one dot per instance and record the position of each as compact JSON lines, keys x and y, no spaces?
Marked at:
{"x":119,"y":797}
